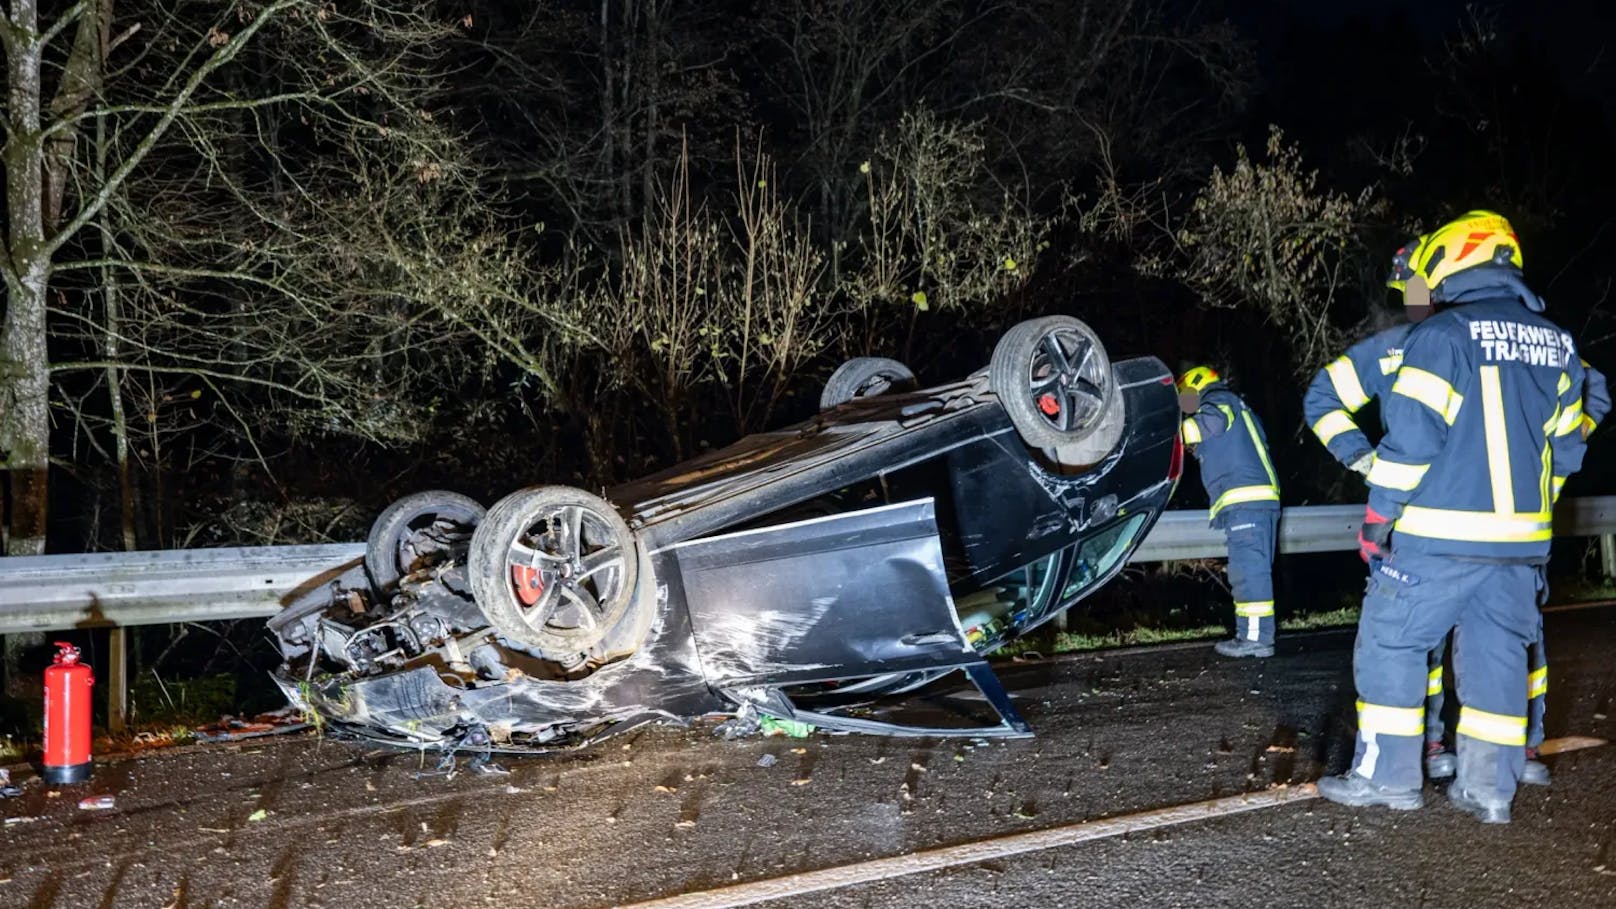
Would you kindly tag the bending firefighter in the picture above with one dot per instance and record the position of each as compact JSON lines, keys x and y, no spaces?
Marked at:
{"x":1483,"y":425}
{"x":1228,"y":441}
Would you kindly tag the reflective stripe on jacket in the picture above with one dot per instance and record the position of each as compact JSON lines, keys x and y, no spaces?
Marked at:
{"x":1229,"y":442}
{"x":1482,"y":428}
{"x":1363,"y":374}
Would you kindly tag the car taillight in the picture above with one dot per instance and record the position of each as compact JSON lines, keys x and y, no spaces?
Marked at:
{"x":1175,"y":465}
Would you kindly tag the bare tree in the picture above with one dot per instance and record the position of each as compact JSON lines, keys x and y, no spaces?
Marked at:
{"x":281,"y":230}
{"x":1265,"y":235}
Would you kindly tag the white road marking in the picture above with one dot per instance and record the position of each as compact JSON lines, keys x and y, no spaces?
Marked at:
{"x":978,"y":851}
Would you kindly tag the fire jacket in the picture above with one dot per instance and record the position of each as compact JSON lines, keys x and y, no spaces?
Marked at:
{"x":1228,"y":440}
{"x":1363,"y":374}
{"x":1482,"y":428}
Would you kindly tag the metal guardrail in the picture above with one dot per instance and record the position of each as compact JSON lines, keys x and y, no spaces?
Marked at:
{"x":117,"y":589}
{"x":1334,"y":528}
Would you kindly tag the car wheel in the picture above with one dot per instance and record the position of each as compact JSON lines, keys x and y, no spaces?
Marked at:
{"x":553,"y":567}
{"x":1053,"y":378}
{"x":416,"y":532}
{"x":864,"y":377}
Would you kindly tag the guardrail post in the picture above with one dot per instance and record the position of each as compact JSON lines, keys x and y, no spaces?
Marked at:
{"x":117,"y":680}
{"x":1607,"y":555}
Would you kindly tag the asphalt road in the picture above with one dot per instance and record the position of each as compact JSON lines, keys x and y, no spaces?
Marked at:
{"x":671,"y":811}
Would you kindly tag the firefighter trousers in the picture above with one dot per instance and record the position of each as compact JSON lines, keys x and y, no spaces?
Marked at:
{"x":1251,"y":534}
{"x":1413,"y":601}
{"x":1537,"y":683}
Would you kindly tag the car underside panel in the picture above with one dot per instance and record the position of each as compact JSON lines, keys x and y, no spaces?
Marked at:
{"x":850,"y":595}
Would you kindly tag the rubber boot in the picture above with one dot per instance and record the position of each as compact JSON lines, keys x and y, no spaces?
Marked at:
{"x":1356,"y":791}
{"x":1467,"y":794}
{"x":1440,"y":763}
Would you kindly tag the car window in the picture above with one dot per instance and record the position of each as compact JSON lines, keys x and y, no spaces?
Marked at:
{"x":1015,"y":601}
{"x":1098,"y":554}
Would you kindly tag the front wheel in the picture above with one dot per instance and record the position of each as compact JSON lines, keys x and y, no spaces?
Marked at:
{"x":554,"y":568}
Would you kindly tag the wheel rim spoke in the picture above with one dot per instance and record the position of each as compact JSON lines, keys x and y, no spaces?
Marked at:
{"x":538,"y":615}
{"x":587,"y":608}
{"x":600,"y":561}
{"x":1057,"y":356}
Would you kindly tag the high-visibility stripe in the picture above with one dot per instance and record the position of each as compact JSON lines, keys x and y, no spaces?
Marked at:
{"x":1492,"y":418}
{"x":1241,"y":494}
{"x":1430,"y":389}
{"x":1570,"y":419}
{"x":1433,"y":682}
{"x":1537,"y":684}
{"x":1258,"y":608}
{"x":1474,"y":526}
{"x":1392,"y":475}
{"x":1545,"y":486}
{"x":1559,"y":483}
{"x":1498,"y":728}
{"x":1228,"y":415}
{"x":1333,"y":424}
{"x":1192,"y":432}
{"x":1565,"y":380}
{"x":1347,"y":387}
{"x":1588,"y":425}
{"x":1262,"y":450}
{"x":1391,"y":363}
{"x":1378,"y":720}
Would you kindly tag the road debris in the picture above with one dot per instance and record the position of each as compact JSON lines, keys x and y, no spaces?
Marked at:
{"x":7,"y":790}
{"x":21,"y":819}
{"x":97,"y":803}
{"x":235,"y":729}
{"x":766,"y":761}
{"x":796,"y":729}
{"x":258,"y":815}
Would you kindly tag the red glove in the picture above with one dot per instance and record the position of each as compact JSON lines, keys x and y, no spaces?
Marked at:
{"x":1374,"y":536}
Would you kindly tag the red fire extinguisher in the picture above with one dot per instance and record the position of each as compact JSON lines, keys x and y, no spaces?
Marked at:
{"x":67,"y":717}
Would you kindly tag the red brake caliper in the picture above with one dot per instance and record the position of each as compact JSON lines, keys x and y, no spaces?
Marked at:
{"x":529,"y":586}
{"x":1048,"y":404}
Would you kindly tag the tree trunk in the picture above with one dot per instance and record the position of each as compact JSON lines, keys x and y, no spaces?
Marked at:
{"x":24,"y":362}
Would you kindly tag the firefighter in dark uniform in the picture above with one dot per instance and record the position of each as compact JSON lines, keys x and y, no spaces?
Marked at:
{"x":1482,"y":428}
{"x":1365,"y":373}
{"x":1228,"y":441}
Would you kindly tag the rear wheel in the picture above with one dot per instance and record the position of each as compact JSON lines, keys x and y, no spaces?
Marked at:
{"x":864,"y":377}
{"x":418,"y":531}
{"x":554,"y":568}
{"x":1053,"y":378}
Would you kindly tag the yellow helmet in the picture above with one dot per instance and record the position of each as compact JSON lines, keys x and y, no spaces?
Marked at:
{"x":1197,"y":378}
{"x":1475,"y":238}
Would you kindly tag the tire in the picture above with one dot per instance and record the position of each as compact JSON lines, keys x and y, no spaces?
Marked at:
{"x":414,"y":529}
{"x":556,"y":526}
{"x":864,"y":377}
{"x":1055,"y":403}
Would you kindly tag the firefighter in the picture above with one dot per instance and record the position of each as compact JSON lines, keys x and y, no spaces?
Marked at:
{"x":1228,"y":441}
{"x":1338,"y":391}
{"x":1595,"y":406}
{"x":1482,"y":429}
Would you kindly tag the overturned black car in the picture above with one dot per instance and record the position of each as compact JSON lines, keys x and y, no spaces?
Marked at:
{"x":897,"y":537}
